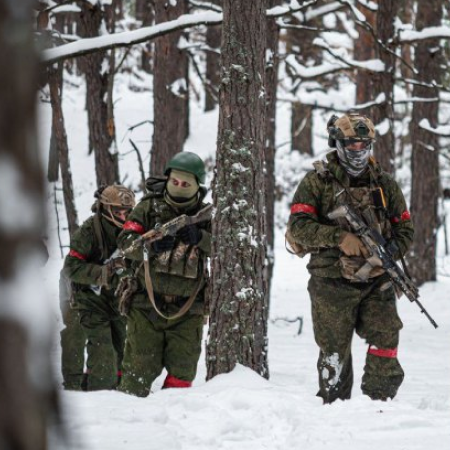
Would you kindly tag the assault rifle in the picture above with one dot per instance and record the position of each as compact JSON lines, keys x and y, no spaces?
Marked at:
{"x":170,"y":228}
{"x":379,"y":256}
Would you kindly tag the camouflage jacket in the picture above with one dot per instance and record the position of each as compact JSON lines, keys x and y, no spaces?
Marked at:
{"x":316,"y":196}
{"x":83,"y":264}
{"x":170,"y":280}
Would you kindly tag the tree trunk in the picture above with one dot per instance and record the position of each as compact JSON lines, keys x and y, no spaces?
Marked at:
{"x":60,"y":141}
{"x":145,"y":12}
{"x":383,"y":83}
{"x":213,"y":38}
{"x":272,"y":60}
{"x":24,"y":410}
{"x":170,"y":90}
{"x":300,"y":43}
{"x":238,"y":315}
{"x":425,"y":190}
{"x":101,"y":123}
{"x":364,"y":49}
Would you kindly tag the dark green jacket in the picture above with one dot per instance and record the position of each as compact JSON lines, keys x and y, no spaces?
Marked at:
{"x":83,"y":264}
{"x":151,"y":210}
{"x":315,"y":198}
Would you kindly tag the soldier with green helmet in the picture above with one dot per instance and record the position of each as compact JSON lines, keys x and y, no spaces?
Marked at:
{"x":93,"y":269}
{"x":165,"y":320}
{"x":341,"y":303}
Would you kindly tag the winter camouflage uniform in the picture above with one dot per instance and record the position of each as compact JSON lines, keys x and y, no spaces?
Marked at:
{"x":88,"y":267}
{"x":73,"y":340}
{"x":153,"y":342}
{"x":339,"y":304}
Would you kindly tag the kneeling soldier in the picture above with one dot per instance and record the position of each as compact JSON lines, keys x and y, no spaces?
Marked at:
{"x":165,"y":320}
{"x":92,"y":267}
{"x":341,"y":303}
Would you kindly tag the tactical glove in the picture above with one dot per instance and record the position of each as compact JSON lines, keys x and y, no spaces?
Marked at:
{"x":351,"y":245}
{"x":190,"y":234}
{"x":165,"y":244}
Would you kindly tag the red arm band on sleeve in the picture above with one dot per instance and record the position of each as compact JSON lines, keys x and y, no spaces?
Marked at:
{"x":405,"y":216}
{"x":134,"y":226}
{"x":303,"y":208}
{"x":77,"y":255}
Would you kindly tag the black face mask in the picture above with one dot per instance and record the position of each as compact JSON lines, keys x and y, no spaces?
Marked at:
{"x":354,"y":162}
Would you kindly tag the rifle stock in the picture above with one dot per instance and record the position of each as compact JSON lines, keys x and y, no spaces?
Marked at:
{"x":379,"y":255}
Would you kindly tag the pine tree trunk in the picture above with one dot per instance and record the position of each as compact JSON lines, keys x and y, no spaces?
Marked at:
{"x":364,"y":49}
{"x":101,"y":123}
{"x":145,"y":12}
{"x":238,"y":316}
{"x":170,"y":90}
{"x":383,"y":83}
{"x":60,"y":138}
{"x":425,"y":189}
{"x":213,"y":38}
{"x":272,"y":60}
{"x":23,"y":401}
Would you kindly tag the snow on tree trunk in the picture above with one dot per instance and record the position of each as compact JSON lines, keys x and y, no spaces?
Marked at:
{"x":425,"y":190}
{"x":100,"y":119}
{"x":383,"y":83}
{"x":26,"y":384}
{"x":272,"y":59}
{"x":60,"y":141}
{"x":170,"y":90}
{"x":238,"y":314}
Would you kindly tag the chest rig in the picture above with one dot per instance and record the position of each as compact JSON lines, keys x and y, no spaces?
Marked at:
{"x":367,"y":199}
{"x":183,"y":260}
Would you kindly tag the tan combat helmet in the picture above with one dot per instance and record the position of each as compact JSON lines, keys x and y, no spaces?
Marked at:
{"x":113,"y":199}
{"x":350,"y":126}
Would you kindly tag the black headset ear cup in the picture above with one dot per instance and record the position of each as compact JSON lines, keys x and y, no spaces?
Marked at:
{"x":331,"y":142}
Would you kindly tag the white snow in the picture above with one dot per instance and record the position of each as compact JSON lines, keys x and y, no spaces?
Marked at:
{"x":240,"y":410}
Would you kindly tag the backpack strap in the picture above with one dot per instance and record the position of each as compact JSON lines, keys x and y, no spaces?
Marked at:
{"x":99,"y":236}
{"x":321,"y":168}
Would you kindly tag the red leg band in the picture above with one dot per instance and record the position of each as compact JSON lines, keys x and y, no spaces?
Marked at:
{"x":382,"y":352}
{"x":174,"y":382}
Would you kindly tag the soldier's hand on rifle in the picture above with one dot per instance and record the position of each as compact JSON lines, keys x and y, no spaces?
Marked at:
{"x":165,"y":244}
{"x":351,"y":245}
{"x":190,"y":234}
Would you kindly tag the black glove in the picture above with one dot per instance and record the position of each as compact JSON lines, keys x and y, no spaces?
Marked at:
{"x":190,"y":234}
{"x":164,"y":245}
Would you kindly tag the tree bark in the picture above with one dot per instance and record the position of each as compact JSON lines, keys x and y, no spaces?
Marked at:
{"x":100,"y":121}
{"x":272,"y":60}
{"x":383,"y":83}
{"x":364,"y":49}
{"x":213,"y":38}
{"x":425,"y":191}
{"x":238,"y":315}
{"x":170,"y":90}
{"x":60,"y":140}
{"x":24,"y":404}
{"x":145,"y":12}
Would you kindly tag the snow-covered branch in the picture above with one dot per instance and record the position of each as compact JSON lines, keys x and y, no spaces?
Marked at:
{"x":127,"y":38}
{"x":442,"y":130}
{"x":409,"y":36}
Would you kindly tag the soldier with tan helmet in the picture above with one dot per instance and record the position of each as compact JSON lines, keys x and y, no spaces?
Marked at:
{"x":341,"y":303}
{"x":93,"y":268}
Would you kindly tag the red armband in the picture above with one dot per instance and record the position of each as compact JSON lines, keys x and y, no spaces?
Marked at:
{"x":405,"y":216}
{"x":303,"y":208}
{"x":134,"y":226}
{"x":77,"y":255}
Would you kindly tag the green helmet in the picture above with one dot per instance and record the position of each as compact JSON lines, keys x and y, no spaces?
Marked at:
{"x":188,"y":162}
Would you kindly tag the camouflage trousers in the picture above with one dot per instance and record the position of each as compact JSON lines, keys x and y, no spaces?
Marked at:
{"x":340,"y":308}
{"x":153,"y":344}
{"x":105,"y":331}
{"x":73,"y":342}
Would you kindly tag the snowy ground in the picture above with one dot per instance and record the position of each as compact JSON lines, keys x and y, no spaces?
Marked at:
{"x":241,"y":410}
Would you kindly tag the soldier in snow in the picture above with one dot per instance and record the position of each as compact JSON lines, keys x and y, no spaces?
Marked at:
{"x":165,"y":318}
{"x":341,"y":304}
{"x":93,"y":269}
